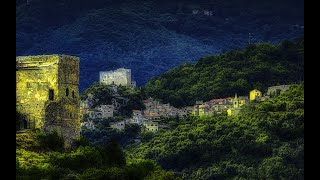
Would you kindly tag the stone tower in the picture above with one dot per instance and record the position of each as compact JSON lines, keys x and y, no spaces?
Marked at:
{"x":47,"y":93}
{"x":120,"y":76}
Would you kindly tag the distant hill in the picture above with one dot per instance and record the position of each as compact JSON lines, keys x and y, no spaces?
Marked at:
{"x":237,"y":71}
{"x":150,"y":37}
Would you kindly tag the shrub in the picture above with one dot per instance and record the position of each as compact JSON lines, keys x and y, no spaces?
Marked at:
{"x":51,"y":141}
{"x":80,"y":159}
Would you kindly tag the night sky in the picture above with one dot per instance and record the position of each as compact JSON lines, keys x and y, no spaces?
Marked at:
{"x":148,"y":36}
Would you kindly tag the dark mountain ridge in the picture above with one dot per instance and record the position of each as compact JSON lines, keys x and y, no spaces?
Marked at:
{"x":149,"y":37}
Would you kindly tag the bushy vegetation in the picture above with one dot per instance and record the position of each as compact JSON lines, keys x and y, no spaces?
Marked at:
{"x":101,"y":94}
{"x":265,"y":141}
{"x":102,"y":134}
{"x":34,"y":161}
{"x":237,"y":71}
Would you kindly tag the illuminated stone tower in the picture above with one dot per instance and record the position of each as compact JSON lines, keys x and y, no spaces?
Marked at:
{"x":119,"y":76}
{"x":47,"y":93}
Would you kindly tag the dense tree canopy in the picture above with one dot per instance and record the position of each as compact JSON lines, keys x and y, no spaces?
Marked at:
{"x":265,"y":141}
{"x":237,"y":71}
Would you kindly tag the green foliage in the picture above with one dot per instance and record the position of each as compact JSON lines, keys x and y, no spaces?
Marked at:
{"x":82,"y":142}
{"x":52,"y":140}
{"x":114,"y":155}
{"x":265,"y":141}
{"x":102,"y":94}
{"x":29,"y":141}
{"x":146,"y":136}
{"x":84,"y":163}
{"x":80,"y":159}
{"x":237,"y":71}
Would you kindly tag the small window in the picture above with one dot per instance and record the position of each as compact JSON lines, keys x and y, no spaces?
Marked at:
{"x":67,"y":92}
{"x":51,"y":94}
{"x":73,"y":96}
{"x":25,"y":124}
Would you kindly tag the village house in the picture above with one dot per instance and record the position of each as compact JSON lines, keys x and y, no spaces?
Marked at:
{"x":233,"y":111}
{"x":88,"y":124}
{"x":255,"y":95}
{"x":152,"y":116}
{"x":151,"y":126}
{"x":120,"y":125}
{"x":184,"y":111}
{"x":137,"y":118}
{"x":276,"y":90}
{"x":240,"y":101}
{"x":103,"y":111}
{"x":202,"y":110}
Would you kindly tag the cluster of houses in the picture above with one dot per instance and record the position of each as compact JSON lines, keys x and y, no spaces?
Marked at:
{"x":156,"y":110}
{"x":233,"y":105}
{"x":149,"y":118}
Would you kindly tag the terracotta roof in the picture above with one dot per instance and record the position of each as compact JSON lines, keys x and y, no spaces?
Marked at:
{"x":216,"y":100}
{"x":152,"y":115}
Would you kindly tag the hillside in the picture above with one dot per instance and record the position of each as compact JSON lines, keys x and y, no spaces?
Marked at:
{"x":150,"y":37}
{"x":237,"y":71}
{"x":40,"y":156}
{"x":265,"y":141}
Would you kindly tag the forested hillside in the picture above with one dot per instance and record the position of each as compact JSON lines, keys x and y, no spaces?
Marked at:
{"x":265,"y":141}
{"x":237,"y":71}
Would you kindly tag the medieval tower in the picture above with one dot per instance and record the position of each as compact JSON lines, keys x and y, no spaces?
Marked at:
{"x":47,"y":94}
{"x":120,"y":76}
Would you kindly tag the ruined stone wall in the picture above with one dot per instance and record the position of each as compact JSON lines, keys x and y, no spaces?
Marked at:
{"x":119,"y":77}
{"x":36,"y":77}
{"x":68,"y":82}
{"x":276,"y":90}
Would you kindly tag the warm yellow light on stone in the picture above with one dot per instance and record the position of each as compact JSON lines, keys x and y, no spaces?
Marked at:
{"x":41,"y":83}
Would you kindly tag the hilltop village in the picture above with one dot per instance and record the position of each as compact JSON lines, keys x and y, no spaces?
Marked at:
{"x":154,"y":116}
{"x":48,"y":97}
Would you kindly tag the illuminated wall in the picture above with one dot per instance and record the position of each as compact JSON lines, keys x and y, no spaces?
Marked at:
{"x":47,"y":93}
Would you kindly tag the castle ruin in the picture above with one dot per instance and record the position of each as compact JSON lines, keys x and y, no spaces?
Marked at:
{"x":47,"y":94}
{"x":120,"y":76}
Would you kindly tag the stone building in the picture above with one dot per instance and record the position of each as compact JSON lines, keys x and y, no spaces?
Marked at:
{"x":103,"y":111}
{"x":47,"y":93}
{"x":151,"y":126}
{"x":233,"y":111}
{"x":255,"y":95}
{"x":120,"y":76}
{"x":137,"y":117}
{"x":120,"y":125}
{"x":276,"y":90}
{"x":240,"y":101}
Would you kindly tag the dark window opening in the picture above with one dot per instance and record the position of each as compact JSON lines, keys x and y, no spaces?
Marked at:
{"x":51,"y":94}
{"x":25,"y":124}
{"x":67,"y":92}
{"x":73,"y":96}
